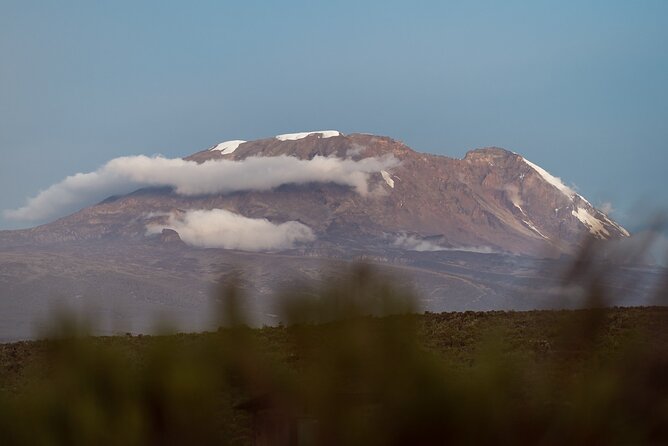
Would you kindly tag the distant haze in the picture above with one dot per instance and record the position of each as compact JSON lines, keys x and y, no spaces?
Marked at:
{"x":578,"y":88}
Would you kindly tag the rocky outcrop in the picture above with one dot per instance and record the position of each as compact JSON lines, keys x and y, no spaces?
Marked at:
{"x":170,"y":236}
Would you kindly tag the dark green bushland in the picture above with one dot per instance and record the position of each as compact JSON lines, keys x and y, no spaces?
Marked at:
{"x":351,"y":365}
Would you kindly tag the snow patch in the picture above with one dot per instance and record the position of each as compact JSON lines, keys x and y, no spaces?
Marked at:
{"x":535,"y":229}
{"x":227,"y":147}
{"x":554,"y":181}
{"x":584,"y":199}
{"x":388,"y":178}
{"x":617,"y":226}
{"x":592,"y":223}
{"x":302,"y":135}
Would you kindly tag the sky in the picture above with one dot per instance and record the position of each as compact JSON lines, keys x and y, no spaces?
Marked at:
{"x":579,"y":88}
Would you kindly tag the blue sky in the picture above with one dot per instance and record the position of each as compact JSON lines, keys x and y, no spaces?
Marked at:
{"x":580,"y":88}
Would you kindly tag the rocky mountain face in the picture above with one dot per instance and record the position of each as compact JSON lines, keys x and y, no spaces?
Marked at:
{"x":492,"y":200}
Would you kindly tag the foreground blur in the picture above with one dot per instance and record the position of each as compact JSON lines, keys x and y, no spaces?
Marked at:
{"x":352,"y":364}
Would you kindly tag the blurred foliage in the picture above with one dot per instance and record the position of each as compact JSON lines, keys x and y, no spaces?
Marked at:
{"x":351,"y":364}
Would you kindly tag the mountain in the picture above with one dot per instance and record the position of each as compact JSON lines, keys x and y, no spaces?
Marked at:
{"x":489,"y":231}
{"x":492,"y":200}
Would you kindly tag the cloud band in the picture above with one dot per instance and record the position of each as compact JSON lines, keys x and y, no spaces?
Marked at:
{"x":126,"y":174}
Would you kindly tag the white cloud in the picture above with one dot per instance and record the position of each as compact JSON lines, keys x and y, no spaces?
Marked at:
{"x":219,"y":228}
{"x":126,"y":174}
{"x":413,"y":243}
{"x":607,"y":208}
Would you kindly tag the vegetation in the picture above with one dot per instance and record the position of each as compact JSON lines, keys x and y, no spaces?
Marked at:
{"x":351,"y":366}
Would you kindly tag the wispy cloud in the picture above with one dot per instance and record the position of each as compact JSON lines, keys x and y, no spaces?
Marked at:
{"x":607,"y":208}
{"x":413,"y":243}
{"x":126,"y":174}
{"x":219,"y":228}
